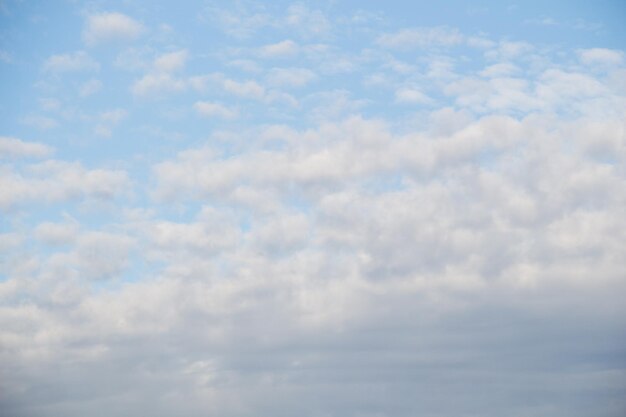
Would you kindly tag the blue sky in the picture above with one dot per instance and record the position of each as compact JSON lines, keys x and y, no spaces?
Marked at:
{"x":312,"y":208}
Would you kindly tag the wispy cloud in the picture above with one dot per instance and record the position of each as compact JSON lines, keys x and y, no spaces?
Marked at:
{"x":77,"y":61}
{"x":214,"y":110}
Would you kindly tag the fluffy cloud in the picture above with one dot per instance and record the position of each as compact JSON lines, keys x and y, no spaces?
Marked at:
{"x":601,"y":56}
{"x":161,"y":78}
{"x":16,"y":148}
{"x":57,"y":233}
{"x":110,"y":26}
{"x":55,"y":181}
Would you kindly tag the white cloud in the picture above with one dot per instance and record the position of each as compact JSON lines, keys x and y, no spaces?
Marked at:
{"x":245,"y":19}
{"x":497,"y":94}
{"x":311,"y":23}
{"x":77,"y":61}
{"x":57,"y":233}
{"x":446,"y":121}
{"x":557,"y":86}
{"x":240,"y":23}
{"x":245,"y":65}
{"x":160,"y":78}
{"x":331,"y":243}
{"x":284,"y":48}
{"x":108,"y":120}
{"x":171,"y":61}
{"x":601,"y":56}
{"x":349,"y":251}
{"x":134,"y":59}
{"x":55,"y":181}
{"x":441,"y":68}
{"x":6,"y":57}
{"x":576,"y":24}
{"x":40,"y":122}
{"x":285,"y":234}
{"x":209,"y":109}
{"x":247,"y":89}
{"x":290,"y":77}
{"x":204,"y":237}
{"x":110,"y":26}
{"x":333,"y":105}
{"x":90,"y":87}
{"x":113,"y":116}
{"x":100,"y":255}
{"x":507,"y":50}
{"x":157,"y":83}
{"x":16,"y":148}
{"x":501,"y":69}
{"x":542,"y":21}
{"x":422,"y":37}
{"x":412,"y":95}
{"x":50,"y":104}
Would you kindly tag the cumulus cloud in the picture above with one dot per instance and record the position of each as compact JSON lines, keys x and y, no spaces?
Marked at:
{"x":100,"y":255}
{"x":57,"y":233}
{"x":17,"y":148}
{"x":110,"y":27}
{"x":357,"y":148}
{"x":54,"y":181}
{"x":161,"y":77}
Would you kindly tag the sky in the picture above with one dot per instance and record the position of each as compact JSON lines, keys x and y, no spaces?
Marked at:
{"x":318,"y":209}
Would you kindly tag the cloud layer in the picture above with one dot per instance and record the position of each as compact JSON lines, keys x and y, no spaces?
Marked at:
{"x":317,"y":214}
